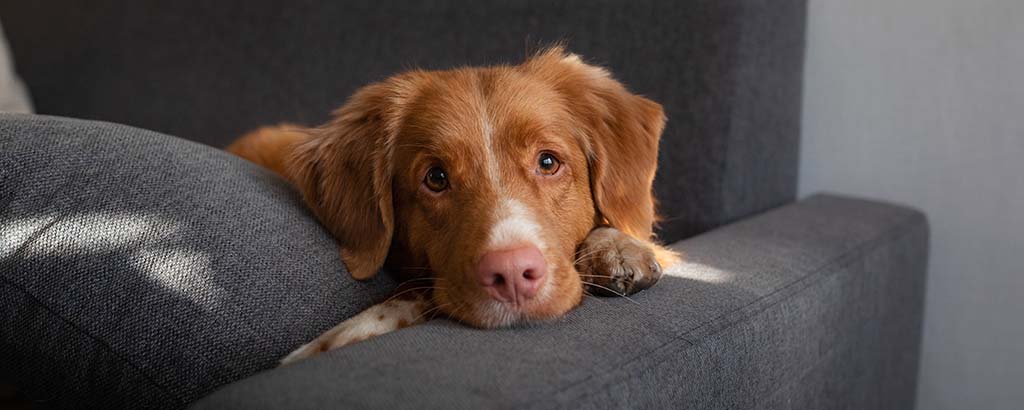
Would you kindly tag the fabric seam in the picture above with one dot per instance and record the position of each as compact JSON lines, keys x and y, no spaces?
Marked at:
{"x":95,"y":339}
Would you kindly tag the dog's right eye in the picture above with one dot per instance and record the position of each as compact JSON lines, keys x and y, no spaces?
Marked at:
{"x":436,"y":179}
{"x":547,"y":164}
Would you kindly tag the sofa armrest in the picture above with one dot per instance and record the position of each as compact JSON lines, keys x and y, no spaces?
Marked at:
{"x":817,"y":304}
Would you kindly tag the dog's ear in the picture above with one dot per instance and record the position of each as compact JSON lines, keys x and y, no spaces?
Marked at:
{"x":620,"y":131}
{"x":344,"y":173}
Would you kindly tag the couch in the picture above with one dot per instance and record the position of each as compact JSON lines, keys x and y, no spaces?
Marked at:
{"x":144,"y":270}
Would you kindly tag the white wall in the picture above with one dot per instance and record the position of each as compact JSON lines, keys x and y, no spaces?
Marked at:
{"x":922,"y":102}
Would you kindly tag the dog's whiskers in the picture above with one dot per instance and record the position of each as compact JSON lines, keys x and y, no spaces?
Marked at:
{"x":411,"y":290}
{"x":425,"y":312}
{"x":419,"y":279}
{"x":587,"y":275}
{"x":457,"y":310}
{"x":623,"y":295}
{"x":585,"y":293}
{"x":581,"y":257}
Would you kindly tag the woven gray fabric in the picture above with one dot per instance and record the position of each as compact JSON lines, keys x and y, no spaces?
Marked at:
{"x":729,"y":72}
{"x":816,"y":305}
{"x":141,"y":270}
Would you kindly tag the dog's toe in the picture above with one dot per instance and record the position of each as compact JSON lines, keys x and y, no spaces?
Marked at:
{"x":307,"y":350}
{"x":612,"y":263}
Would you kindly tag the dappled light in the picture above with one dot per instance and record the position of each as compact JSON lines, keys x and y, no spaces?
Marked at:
{"x":146,"y":242}
{"x":699,"y":272}
{"x":184,"y":272}
{"x":92,"y":232}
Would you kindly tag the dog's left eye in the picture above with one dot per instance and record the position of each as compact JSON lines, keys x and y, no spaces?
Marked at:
{"x":547,"y":164}
{"x":436,"y":179}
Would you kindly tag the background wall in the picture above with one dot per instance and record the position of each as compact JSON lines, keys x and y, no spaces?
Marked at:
{"x":922,"y":102}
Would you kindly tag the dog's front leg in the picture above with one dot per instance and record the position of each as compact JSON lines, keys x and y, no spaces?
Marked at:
{"x":611,"y":262}
{"x":406,"y":308}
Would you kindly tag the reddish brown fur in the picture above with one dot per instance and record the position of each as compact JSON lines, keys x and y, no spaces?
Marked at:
{"x":362,"y":172}
{"x":265,"y":145}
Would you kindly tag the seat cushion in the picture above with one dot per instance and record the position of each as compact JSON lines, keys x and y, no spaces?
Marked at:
{"x":139,"y":270}
{"x":816,"y":305}
{"x":729,"y":72}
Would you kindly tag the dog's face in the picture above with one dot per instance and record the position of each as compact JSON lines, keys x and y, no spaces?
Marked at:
{"x":488,"y":178}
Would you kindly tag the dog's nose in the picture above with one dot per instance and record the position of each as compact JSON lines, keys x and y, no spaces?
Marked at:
{"x":512,"y":275}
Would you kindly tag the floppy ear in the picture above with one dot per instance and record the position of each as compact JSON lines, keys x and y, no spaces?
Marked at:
{"x":344,"y":172}
{"x":621,"y":138}
{"x":624,"y":160}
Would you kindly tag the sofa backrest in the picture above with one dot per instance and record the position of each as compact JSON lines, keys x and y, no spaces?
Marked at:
{"x":728,"y":72}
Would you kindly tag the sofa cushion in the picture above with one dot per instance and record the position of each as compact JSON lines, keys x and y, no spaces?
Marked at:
{"x":139,"y":270}
{"x":816,"y":305}
{"x":728,"y":72}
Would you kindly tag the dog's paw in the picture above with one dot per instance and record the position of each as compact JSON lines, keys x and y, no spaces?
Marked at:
{"x":613,"y":263}
{"x":306,"y":351}
{"x":356,"y":329}
{"x":375,"y":321}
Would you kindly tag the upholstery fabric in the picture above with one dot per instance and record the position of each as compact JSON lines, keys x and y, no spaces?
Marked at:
{"x":816,"y":305}
{"x":142,"y":270}
{"x":139,"y":270}
{"x":728,"y":72}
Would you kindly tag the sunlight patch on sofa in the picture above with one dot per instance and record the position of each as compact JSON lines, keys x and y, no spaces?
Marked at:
{"x":145,"y":242}
{"x":183,"y":272}
{"x":699,"y":272}
{"x":80,"y":233}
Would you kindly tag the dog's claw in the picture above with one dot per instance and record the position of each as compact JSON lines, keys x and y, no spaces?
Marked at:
{"x":615,"y":264}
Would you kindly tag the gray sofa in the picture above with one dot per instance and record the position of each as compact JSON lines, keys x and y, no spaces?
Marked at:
{"x":141,"y":270}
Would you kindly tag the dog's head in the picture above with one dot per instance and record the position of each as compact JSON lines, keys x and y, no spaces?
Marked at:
{"x":487,"y":178}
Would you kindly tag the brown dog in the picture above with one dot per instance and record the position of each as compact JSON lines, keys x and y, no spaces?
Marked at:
{"x":508,"y":189}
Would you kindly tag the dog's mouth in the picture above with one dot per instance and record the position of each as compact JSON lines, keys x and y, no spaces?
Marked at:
{"x":489,"y":314}
{"x":487,"y":309}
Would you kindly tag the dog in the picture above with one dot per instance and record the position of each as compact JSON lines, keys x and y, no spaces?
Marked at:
{"x":504,"y":192}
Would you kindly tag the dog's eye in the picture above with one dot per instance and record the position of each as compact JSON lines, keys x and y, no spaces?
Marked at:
{"x":547,"y":164}
{"x":436,"y":179}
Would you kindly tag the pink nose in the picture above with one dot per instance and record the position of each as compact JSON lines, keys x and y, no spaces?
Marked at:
{"x":512,"y":275}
